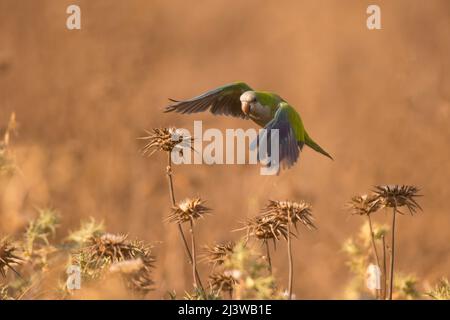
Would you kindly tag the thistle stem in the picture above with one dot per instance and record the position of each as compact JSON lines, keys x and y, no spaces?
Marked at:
{"x":194,"y":257}
{"x":180,"y":229}
{"x":391,"y":285}
{"x":290,"y":261}
{"x":384,"y":275}
{"x":375,"y":252}
{"x":269,"y":260}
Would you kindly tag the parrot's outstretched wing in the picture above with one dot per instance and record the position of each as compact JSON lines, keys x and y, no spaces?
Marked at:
{"x":289,"y":133}
{"x":223,"y":100}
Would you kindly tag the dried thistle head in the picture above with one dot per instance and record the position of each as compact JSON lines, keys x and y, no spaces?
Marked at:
{"x":218,"y":253}
{"x":112,"y":246}
{"x":285,"y":211}
{"x":133,"y":259}
{"x":398,"y":196}
{"x":266,"y":228}
{"x":165,"y":139}
{"x":364,"y":204}
{"x":188,"y":210}
{"x":8,"y":258}
{"x":222,"y":282}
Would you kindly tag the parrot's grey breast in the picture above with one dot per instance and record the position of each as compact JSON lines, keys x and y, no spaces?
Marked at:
{"x":259,"y":113}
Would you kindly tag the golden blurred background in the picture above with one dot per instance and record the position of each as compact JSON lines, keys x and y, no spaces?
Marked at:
{"x":377,"y":100}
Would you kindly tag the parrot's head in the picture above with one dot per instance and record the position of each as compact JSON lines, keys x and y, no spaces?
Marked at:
{"x":248,"y":98}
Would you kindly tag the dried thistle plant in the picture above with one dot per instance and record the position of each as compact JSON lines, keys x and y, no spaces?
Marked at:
{"x":168,"y":140}
{"x":275,"y":222}
{"x":115,"y":253}
{"x":396,"y":196}
{"x":8,"y":257}
{"x":289,"y":211}
{"x":222,"y":282}
{"x":165,"y":139}
{"x":217,"y":254}
{"x":190,"y":210}
{"x":365,"y":205}
{"x":265,"y":228}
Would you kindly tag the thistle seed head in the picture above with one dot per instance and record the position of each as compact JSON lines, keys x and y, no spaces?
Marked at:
{"x":132,"y":259}
{"x":188,"y":210}
{"x":364,"y":204}
{"x":295,"y":212}
{"x":395,"y":196}
{"x":221,"y":282}
{"x":218,"y":253}
{"x":165,"y":139}
{"x":266,"y":228}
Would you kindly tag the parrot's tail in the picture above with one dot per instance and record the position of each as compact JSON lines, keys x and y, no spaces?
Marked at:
{"x":310,"y":143}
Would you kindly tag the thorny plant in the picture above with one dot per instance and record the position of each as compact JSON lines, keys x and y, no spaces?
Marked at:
{"x":219,"y":281}
{"x":187,"y":211}
{"x":115,"y":253}
{"x":395,"y":197}
{"x":274,"y":222}
{"x":389,"y":196}
{"x":168,"y":140}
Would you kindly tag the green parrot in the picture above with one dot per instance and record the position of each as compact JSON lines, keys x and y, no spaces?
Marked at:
{"x":266,"y":109}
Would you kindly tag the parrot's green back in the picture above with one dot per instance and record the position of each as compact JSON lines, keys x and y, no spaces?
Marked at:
{"x":300,"y":133}
{"x":269,"y":99}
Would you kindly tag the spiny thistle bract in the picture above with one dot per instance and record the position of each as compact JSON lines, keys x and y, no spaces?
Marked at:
{"x":222,"y":282}
{"x":395,"y":196}
{"x":273,"y":221}
{"x":188,"y":210}
{"x":295,"y":212}
{"x":364,"y":204}
{"x":8,"y":258}
{"x":217,"y":254}
{"x":165,"y":139}
{"x":265,"y":228}
{"x":109,"y":249}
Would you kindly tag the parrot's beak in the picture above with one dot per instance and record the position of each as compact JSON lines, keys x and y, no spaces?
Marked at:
{"x":245,"y":108}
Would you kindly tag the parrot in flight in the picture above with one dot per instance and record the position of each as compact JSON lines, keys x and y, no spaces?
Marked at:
{"x":266,"y":109}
